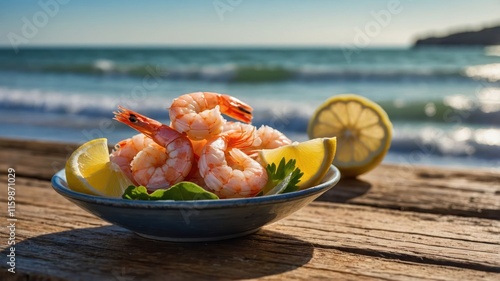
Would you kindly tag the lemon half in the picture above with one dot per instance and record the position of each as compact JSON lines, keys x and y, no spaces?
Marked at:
{"x":362,"y":128}
{"x":89,"y":170}
{"x":313,"y":157}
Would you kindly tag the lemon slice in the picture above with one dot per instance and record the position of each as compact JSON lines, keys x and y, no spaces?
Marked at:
{"x":88,"y":170}
{"x":362,"y":128}
{"x":313,"y":157}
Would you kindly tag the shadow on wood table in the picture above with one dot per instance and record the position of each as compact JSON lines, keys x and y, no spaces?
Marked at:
{"x":114,"y":253}
{"x":346,"y":190}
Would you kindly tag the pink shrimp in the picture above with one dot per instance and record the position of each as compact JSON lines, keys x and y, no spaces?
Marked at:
{"x":162,"y":164}
{"x":265,"y":138}
{"x":125,"y":151}
{"x":229,"y":172}
{"x":199,"y":114}
{"x":271,"y":138}
{"x":242,"y":135}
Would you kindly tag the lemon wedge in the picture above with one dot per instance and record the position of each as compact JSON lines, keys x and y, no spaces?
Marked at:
{"x":313,"y":157}
{"x":88,"y":170}
{"x":363,"y":130}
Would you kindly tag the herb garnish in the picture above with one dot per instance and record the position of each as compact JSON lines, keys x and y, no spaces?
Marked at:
{"x":282,"y":178}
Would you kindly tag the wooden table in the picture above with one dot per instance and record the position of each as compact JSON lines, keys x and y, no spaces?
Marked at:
{"x":395,"y":223}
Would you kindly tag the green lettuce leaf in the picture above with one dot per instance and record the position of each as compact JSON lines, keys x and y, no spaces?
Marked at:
{"x":182,"y":191}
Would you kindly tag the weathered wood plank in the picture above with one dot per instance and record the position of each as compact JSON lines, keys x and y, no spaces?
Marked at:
{"x":420,"y":189}
{"x":423,"y":189}
{"x":36,"y":159}
{"x":57,"y":240}
{"x":449,"y":240}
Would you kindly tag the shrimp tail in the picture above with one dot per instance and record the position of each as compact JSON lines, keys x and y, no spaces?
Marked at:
{"x":235,"y":108}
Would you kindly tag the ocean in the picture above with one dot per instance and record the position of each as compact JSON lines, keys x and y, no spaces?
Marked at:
{"x":444,"y":102}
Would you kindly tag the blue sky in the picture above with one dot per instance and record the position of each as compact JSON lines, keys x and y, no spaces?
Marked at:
{"x":237,"y":22}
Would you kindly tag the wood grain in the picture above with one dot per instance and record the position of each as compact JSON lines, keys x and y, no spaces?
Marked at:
{"x":395,"y":223}
{"x":423,"y":189}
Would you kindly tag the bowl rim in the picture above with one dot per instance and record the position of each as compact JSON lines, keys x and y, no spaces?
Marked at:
{"x":58,"y":182}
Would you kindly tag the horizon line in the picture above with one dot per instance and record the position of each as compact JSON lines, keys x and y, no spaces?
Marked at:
{"x":209,"y":46}
{"x":230,"y":46}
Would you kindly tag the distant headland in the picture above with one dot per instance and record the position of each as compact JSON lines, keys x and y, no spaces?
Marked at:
{"x":485,"y":37}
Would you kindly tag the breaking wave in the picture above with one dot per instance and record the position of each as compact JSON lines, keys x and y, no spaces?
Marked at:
{"x":78,"y":110}
{"x":261,"y":73}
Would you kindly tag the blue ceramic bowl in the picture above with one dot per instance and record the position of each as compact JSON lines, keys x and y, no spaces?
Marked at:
{"x":193,"y":221}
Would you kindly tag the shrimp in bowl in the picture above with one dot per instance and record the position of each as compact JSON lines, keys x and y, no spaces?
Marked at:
{"x":199,"y":146}
{"x":199,"y":114}
{"x":218,"y":184}
{"x":161,"y":163}
{"x":227,"y":170}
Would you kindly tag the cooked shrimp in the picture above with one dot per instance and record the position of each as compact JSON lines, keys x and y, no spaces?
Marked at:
{"x":247,"y":132}
{"x":125,"y":151}
{"x":229,"y":172}
{"x":199,"y":114}
{"x":241,"y":135}
{"x":271,"y":138}
{"x":161,"y":165}
{"x":264,"y":138}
